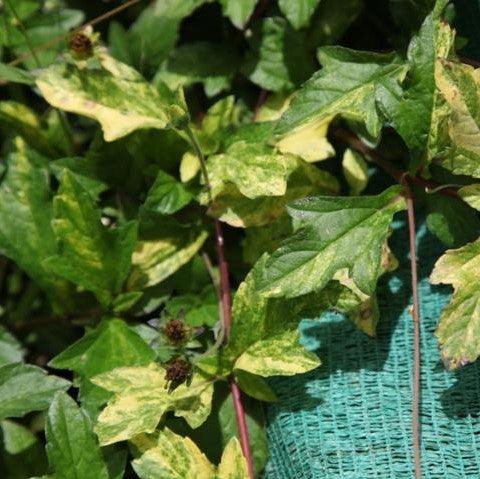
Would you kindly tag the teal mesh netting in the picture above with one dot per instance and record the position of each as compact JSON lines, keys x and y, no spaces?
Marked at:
{"x":351,"y":418}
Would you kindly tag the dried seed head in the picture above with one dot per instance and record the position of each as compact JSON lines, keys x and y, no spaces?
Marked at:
{"x":81,"y":45}
{"x":178,"y":371}
{"x":175,"y":331}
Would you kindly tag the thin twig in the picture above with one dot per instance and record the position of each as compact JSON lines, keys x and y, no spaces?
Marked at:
{"x":58,"y":38}
{"x":61,"y":116}
{"x":415,"y":311}
{"x":226,"y":303}
{"x":24,"y":33}
{"x":399,"y":175}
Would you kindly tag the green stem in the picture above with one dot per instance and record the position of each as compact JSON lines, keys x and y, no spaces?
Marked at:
{"x":24,"y":32}
{"x":203,"y":164}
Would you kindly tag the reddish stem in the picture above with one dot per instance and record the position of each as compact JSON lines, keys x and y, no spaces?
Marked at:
{"x":416,"y":384}
{"x":242,"y":426}
{"x":225,"y":297}
{"x":226,"y":303}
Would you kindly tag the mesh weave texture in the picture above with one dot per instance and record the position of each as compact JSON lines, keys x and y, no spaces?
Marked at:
{"x":351,"y":418}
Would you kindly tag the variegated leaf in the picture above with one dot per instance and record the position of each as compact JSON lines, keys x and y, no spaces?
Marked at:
{"x":115,"y":95}
{"x":280,"y":355}
{"x":458,"y":331}
{"x":141,"y":398}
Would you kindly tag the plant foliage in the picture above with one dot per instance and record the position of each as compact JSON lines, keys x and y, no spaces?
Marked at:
{"x":125,"y":151}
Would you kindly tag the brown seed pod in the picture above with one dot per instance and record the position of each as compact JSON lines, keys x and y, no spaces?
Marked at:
{"x":81,"y":45}
{"x":178,"y":371}
{"x":175,"y":330}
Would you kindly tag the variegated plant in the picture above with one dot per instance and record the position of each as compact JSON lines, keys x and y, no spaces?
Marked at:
{"x":202,"y":150}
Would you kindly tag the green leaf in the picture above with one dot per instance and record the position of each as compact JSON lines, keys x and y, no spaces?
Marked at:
{"x":23,"y":454}
{"x":452,"y":221}
{"x":119,"y":43}
{"x":346,"y":86}
{"x":265,"y":239}
{"x":155,"y":32}
{"x":254,"y":386}
{"x":166,"y":196}
{"x":115,"y":95}
{"x":279,"y":355}
{"x":457,"y":331}
{"x":355,"y":169}
{"x":161,"y":250}
{"x":141,"y":399}
{"x":416,"y":109}
{"x":332,"y":19}
{"x":13,"y":74}
{"x":26,"y":236}
{"x":72,"y":449}
{"x":471,"y":195}
{"x":233,"y":464}
{"x":238,"y":11}
{"x":110,"y":345}
{"x":199,"y":309}
{"x":90,"y":255}
{"x":83,"y":170}
{"x":16,"y":438}
{"x":26,"y":388}
{"x":299,"y":12}
{"x":11,"y":351}
{"x":19,"y":119}
{"x":42,"y":28}
{"x":460,"y":86}
{"x":173,"y":457}
{"x":333,"y":233}
{"x":409,"y":15}
{"x":212,"y":64}
{"x":277,"y":60}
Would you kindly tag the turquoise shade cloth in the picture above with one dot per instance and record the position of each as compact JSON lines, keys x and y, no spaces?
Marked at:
{"x":351,"y":418}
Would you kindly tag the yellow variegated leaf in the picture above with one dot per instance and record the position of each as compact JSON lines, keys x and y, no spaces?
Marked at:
{"x":460,"y":86}
{"x":253,"y":171}
{"x":458,"y":331}
{"x":115,"y":95}
{"x":174,"y":457}
{"x":355,"y":169}
{"x":280,"y":355}
{"x":189,"y":166}
{"x":302,"y":179}
{"x":233,"y":464}
{"x":273,"y":107}
{"x":141,"y":398}
{"x":309,"y":141}
{"x":156,"y":258}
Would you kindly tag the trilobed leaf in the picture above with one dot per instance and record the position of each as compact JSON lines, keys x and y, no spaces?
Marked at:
{"x":333,"y":233}
{"x":346,"y":85}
